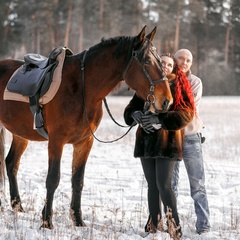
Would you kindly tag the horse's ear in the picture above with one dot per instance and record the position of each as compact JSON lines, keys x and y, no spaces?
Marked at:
{"x":171,"y":77}
{"x":139,"y":38}
{"x":141,"y":35}
{"x":151,"y":35}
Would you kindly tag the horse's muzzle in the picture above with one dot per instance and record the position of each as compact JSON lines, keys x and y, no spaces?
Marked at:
{"x":164,"y":106}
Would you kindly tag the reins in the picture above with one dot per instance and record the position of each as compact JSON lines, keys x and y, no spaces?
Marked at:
{"x":111,"y":116}
{"x":105,"y":103}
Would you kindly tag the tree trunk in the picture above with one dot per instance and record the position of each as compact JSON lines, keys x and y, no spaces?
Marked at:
{"x":227,"y":44}
{"x":69,"y":20}
{"x":176,"y":42}
{"x":38,"y":48}
{"x":100,"y":15}
{"x":51,"y":15}
{"x":80,"y":28}
{"x":33,"y":38}
{"x":52,"y":39}
{"x":6,"y":28}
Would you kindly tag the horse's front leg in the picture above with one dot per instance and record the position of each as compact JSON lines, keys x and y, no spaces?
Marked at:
{"x":80,"y":155}
{"x":17,"y":148}
{"x":53,"y":177}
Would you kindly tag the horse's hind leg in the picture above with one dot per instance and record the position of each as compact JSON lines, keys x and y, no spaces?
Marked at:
{"x":80,"y":156}
{"x":17,"y":148}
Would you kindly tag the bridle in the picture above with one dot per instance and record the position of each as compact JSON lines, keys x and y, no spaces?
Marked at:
{"x":150,"y":97}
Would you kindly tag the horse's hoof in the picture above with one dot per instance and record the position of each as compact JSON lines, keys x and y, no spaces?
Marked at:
{"x":77,"y":220}
{"x":81,"y":224}
{"x":47,"y":224}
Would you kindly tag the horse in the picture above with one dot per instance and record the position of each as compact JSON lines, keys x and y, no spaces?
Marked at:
{"x":75,"y":112}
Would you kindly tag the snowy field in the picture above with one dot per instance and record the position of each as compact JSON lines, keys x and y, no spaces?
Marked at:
{"x":114,"y":202}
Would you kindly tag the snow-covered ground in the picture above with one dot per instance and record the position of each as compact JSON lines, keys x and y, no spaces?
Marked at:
{"x":114,"y":202}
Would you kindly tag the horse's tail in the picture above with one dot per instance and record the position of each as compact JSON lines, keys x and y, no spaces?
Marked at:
{"x":2,"y":161}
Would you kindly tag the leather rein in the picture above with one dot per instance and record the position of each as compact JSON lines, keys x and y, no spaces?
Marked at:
{"x":150,"y":97}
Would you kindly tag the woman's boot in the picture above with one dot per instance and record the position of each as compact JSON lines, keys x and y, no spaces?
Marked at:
{"x":174,"y":230}
{"x":149,"y":227}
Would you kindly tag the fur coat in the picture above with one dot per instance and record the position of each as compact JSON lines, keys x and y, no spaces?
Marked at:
{"x":168,"y":140}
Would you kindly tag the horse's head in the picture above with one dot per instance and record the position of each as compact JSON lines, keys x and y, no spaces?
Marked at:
{"x":145,"y":75}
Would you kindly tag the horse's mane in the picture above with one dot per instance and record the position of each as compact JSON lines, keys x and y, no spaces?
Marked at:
{"x":182,"y":89}
{"x":122,"y":43}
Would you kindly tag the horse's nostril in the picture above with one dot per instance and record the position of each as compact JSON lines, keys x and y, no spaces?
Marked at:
{"x":165,"y":104}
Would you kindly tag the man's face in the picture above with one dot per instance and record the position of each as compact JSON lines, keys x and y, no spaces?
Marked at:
{"x":184,"y":60}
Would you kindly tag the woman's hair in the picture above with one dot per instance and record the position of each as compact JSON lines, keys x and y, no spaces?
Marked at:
{"x":168,"y":55}
{"x":182,"y":87}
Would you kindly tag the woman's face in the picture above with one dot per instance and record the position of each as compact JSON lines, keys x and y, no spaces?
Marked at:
{"x":167,"y":64}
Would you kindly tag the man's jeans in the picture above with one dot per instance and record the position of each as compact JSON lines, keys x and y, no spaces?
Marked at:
{"x":193,"y":160}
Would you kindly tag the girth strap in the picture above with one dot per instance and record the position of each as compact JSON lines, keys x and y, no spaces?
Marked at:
{"x":38,"y":119}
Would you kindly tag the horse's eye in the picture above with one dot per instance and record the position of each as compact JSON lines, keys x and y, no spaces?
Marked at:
{"x":147,"y":62}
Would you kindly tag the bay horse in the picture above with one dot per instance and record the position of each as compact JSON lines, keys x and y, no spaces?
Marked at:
{"x":76,"y":110}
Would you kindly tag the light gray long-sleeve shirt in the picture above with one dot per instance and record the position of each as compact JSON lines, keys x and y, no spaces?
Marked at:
{"x":196,"y":125}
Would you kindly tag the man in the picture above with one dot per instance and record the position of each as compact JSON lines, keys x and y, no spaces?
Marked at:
{"x":192,"y":150}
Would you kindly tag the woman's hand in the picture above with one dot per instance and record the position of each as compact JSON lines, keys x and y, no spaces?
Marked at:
{"x":148,"y":121}
{"x":137,"y":115}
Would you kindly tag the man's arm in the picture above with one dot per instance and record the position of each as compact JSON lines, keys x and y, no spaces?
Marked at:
{"x":197,"y":89}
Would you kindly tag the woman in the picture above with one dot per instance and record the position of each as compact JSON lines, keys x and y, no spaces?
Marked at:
{"x":159,"y":140}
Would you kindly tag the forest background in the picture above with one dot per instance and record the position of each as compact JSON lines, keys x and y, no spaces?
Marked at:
{"x":208,"y":28}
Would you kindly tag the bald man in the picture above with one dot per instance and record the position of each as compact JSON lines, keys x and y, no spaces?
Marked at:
{"x":192,"y":151}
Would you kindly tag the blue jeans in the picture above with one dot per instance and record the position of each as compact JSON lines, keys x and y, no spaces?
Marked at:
{"x":193,"y":160}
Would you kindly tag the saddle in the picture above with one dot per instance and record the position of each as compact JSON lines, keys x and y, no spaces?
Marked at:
{"x":33,"y":79}
{"x":35,"y":75}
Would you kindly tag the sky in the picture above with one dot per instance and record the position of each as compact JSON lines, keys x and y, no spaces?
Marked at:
{"x":114,"y":199}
